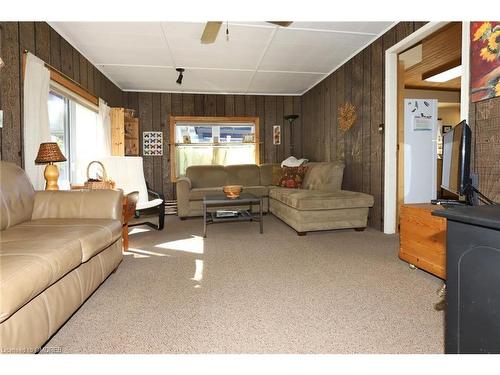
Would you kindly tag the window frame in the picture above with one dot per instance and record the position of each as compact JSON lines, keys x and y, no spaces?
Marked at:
{"x":71,"y":99}
{"x":174,"y":120}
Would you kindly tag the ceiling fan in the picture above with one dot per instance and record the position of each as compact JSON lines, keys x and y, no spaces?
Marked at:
{"x":212,"y":29}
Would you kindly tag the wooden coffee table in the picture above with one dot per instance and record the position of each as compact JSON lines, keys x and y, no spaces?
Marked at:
{"x":220,"y":200}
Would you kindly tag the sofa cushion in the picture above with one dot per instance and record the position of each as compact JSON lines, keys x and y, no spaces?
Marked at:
{"x":310,"y":200}
{"x":199,"y":193}
{"x":268,"y":171}
{"x":203,"y":176}
{"x":28,"y":266}
{"x":93,"y":235}
{"x":16,"y":195}
{"x":324,"y":176}
{"x":244,"y":174}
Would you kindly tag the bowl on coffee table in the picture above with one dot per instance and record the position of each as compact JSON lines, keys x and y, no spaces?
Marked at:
{"x":232,"y":191}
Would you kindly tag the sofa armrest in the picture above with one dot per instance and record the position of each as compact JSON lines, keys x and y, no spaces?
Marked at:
{"x":182,"y":188}
{"x":78,"y":204}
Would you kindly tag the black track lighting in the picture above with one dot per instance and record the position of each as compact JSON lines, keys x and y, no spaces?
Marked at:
{"x":179,"y":79}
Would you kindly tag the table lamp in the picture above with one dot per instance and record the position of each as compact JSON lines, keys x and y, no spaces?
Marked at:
{"x":49,"y":153}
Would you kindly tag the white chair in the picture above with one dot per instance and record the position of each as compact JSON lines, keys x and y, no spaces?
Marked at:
{"x":128,"y":174}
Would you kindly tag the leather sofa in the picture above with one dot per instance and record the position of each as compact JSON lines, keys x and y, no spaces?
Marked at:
{"x":56,"y":248}
{"x":320,"y":204}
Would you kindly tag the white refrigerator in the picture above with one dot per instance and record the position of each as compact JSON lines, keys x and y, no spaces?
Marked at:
{"x":420,"y":150}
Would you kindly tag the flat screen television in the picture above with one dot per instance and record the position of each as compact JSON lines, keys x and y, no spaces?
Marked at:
{"x":456,"y":159}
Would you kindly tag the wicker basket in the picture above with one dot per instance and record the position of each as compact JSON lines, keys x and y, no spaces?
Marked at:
{"x":105,"y":183}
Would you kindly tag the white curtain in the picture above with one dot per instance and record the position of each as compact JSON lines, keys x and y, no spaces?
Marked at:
{"x":36,"y":116}
{"x":104,"y":129}
{"x":91,"y":139}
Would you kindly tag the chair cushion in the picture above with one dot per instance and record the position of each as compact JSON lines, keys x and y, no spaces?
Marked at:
{"x":28,"y":266}
{"x":149,"y":204}
{"x":306,"y":200}
{"x":204,"y":176}
{"x":324,"y":176}
{"x":16,"y":195}
{"x":244,"y":174}
{"x":94,"y":235}
{"x":128,"y":174}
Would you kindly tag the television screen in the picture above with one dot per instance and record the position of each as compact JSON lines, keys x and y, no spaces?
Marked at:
{"x":456,"y":159}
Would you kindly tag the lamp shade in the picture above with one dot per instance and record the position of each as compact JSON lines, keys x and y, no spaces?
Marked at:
{"x":49,"y":152}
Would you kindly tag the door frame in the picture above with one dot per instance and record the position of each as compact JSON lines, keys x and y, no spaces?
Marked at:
{"x":391,"y":110}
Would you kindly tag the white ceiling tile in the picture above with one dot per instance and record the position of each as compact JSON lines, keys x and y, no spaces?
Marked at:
{"x":141,"y":43}
{"x":195,"y":80}
{"x":218,"y":81}
{"x":142,"y":78}
{"x":307,"y":51}
{"x":242,"y":51}
{"x":363,"y":27}
{"x":282,"y":83}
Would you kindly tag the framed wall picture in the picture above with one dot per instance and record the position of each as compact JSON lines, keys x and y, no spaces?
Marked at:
{"x":152,"y":143}
{"x":276,"y":135}
{"x":484,"y":60}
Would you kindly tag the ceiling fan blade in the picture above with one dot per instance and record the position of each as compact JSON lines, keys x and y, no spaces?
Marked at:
{"x":210,"y":33}
{"x":281,"y":23}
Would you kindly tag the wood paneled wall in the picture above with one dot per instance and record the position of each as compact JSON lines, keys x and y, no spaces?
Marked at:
{"x":484,"y":119}
{"x":43,"y":41}
{"x":153,"y":110}
{"x":361,"y":82}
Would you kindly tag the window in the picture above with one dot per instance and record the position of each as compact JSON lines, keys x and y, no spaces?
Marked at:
{"x":212,"y":141}
{"x":74,"y":126}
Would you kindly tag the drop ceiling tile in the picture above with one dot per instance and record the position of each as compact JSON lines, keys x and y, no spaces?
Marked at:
{"x":308,"y":51}
{"x":141,"y":43}
{"x":283,"y":83}
{"x":364,"y":27}
{"x":195,"y":80}
{"x":142,"y":78}
{"x":242,"y":51}
{"x":214,"y":80}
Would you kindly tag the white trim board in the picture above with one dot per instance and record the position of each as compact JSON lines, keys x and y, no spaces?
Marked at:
{"x":391,"y":105}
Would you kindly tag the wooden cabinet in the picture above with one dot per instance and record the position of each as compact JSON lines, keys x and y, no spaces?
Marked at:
{"x":423,"y":238}
{"x":124,"y":133}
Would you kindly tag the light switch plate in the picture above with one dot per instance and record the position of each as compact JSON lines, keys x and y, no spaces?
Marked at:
{"x":1,"y":118}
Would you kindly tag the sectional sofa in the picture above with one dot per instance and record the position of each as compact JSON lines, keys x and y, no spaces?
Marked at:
{"x":56,"y":248}
{"x":320,"y":204}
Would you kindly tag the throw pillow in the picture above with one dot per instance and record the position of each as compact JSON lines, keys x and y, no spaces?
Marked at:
{"x":293,"y":177}
{"x":277,"y":175}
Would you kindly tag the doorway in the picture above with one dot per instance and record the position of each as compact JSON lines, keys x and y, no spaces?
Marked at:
{"x":420,"y":56}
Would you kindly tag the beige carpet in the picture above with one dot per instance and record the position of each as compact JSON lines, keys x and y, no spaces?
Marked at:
{"x":241,"y":292}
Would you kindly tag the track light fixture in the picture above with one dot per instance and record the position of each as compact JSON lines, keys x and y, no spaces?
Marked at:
{"x":179,"y":79}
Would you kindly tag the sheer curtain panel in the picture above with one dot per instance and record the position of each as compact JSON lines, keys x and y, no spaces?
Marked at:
{"x":36,"y":116}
